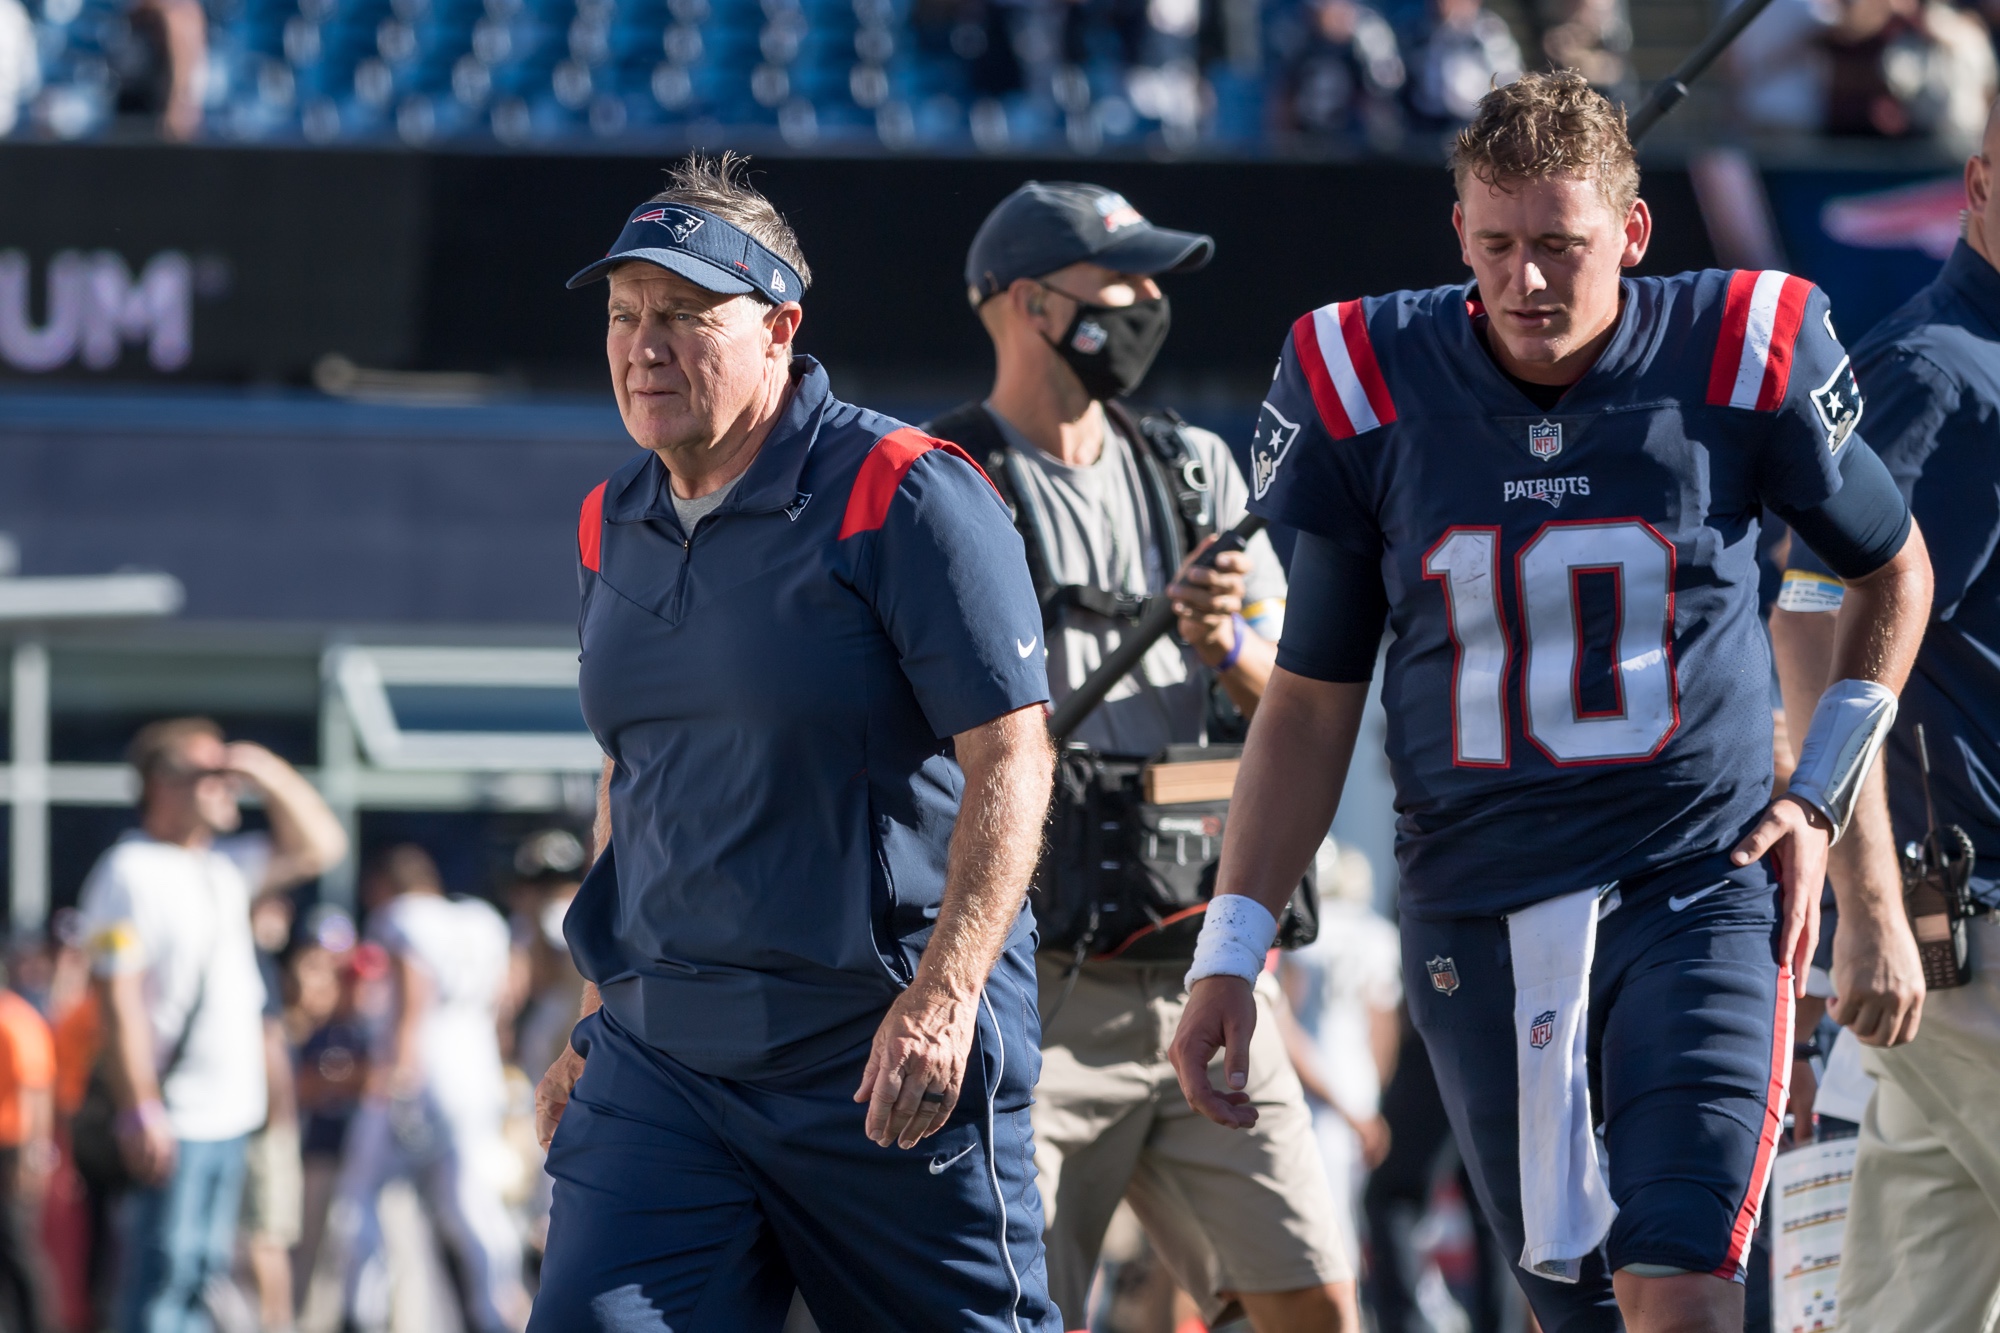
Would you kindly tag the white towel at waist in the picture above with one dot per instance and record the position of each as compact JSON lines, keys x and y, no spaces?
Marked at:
{"x":1566,"y":1207}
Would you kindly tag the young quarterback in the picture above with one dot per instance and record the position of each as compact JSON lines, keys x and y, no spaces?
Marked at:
{"x":1548,"y":484}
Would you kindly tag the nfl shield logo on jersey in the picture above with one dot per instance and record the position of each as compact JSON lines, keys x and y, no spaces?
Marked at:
{"x":1545,"y":439}
{"x":1444,"y":975}
{"x":1543,"y":1030}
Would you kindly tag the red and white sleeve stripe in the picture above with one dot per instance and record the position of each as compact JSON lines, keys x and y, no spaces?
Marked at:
{"x":1339,"y":363}
{"x":1760,"y":327}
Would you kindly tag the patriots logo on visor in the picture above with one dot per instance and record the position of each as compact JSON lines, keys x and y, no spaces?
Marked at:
{"x":680,"y":223}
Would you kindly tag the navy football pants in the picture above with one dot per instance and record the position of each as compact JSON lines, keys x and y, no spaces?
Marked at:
{"x":691,"y":1204}
{"x":1689,"y":1049}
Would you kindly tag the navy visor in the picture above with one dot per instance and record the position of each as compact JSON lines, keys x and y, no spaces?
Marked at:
{"x":702,"y":248}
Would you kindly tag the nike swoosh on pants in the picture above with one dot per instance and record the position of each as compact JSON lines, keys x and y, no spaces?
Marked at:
{"x":1682,"y":904}
{"x":939,"y":1164}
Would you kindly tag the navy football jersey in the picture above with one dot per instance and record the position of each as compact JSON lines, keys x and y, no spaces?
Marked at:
{"x":1579,"y":687}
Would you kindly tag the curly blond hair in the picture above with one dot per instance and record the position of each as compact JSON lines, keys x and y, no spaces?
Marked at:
{"x":1544,"y":125}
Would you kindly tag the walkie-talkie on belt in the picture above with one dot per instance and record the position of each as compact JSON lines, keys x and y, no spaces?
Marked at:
{"x":1937,"y":891}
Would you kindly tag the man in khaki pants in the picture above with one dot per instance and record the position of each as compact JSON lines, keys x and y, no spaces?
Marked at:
{"x":1063,"y":278}
{"x":1922,"y":1251}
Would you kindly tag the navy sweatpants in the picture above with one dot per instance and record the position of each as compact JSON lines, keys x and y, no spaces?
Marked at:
{"x":686,"y":1203}
{"x":1689,"y":1048}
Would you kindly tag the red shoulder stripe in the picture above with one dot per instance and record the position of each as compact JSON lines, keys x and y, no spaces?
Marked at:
{"x":1761,"y":317}
{"x":882,"y":472}
{"x":1361,"y":351}
{"x":1791,"y":313}
{"x":590,"y":529}
{"x":1305,"y":343}
{"x":1729,"y":347}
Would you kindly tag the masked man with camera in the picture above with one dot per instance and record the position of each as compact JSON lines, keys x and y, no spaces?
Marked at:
{"x":1922,"y":1253}
{"x":1113,"y":509}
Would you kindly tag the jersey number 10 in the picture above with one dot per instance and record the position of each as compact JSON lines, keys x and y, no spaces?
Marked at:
{"x":1645,"y":698}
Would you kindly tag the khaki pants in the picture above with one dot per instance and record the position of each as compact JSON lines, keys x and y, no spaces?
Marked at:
{"x":1922,"y":1253}
{"x":1228,"y":1210}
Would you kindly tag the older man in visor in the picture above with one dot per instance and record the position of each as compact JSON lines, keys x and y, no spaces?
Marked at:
{"x":811,"y":653}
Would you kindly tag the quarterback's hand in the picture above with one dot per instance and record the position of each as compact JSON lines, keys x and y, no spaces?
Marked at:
{"x":1878,"y":979}
{"x":920,"y":1049}
{"x":1221,"y":1014}
{"x":1207,"y":600}
{"x":552,"y":1094}
{"x":1795,"y":837}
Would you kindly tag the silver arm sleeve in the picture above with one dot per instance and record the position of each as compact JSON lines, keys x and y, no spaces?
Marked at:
{"x":1847,"y":731}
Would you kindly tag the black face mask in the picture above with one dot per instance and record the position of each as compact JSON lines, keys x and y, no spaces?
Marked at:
{"x":1111,"y":347}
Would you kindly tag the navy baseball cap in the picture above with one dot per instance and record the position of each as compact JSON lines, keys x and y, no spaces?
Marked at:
{"x":1047,"y":225}
{"x":702,"y":248}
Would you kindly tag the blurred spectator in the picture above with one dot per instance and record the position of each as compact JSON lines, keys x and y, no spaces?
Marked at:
{"x":1344,"y":991}
{"x":1781,"y":67}
{"x":1462,"y":50}
{"x":273,"y":1187}
{"x":82,"y":1250}
{"x":167,"y":910}
{"x":20,"y":66}
{"x":1908,"y":69}
{"x":434,"y":1098}
{"x":329,"y":1014}
{"x":547,"y":870}
{"x":1343,"y":73}
{"x":1594,"y":37}
{"x":1399,"y":1204}
{"x":27,"y":1157}
{"x":548,"y":867}
{"x":164,"y":70}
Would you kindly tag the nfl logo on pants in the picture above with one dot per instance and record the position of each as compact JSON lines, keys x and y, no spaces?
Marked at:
{"x":1545,"y":439}
{"x":1543,"y":1030}
{"x":1444,"y":975}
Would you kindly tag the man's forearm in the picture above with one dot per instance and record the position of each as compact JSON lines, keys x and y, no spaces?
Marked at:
{"x":1009,"y":771}
{"x":1246,"y":681}
{"x":600,"y":826}
{"x":1294,"y":766}
{"x":129,"y":1036}
{"x":306,"y":836}
{"x":1881,"y":620}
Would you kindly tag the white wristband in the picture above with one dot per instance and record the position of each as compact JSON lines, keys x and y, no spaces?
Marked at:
{"x":1848,"y":728}
{"x":1236,"y":933}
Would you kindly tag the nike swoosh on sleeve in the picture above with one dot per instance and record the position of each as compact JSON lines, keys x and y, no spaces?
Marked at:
{"x":1025,"y":648}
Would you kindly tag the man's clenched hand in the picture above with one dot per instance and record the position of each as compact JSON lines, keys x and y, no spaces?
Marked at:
{"x":1878,"y":979}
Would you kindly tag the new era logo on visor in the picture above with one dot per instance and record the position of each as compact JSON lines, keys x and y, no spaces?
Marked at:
{"x":679,"y":222}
